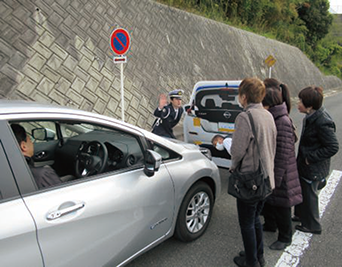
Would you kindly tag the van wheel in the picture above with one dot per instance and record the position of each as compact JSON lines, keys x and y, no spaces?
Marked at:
{"x":195,"y":212}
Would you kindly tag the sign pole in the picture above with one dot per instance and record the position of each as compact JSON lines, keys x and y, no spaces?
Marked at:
{"x":122,"y":95}
{"x":270,"y":61}
{"x":120,"y":42}
{"x":270,"y":73}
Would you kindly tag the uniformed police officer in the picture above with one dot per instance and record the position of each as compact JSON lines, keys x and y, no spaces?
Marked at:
{"x":168,"y":115}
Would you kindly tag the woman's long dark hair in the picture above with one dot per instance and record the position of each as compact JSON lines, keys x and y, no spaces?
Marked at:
{"x":276,"y":94}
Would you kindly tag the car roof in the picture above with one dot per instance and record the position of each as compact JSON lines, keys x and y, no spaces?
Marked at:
{"x":8,"y":107}
{"x":216,"y":84}
{"x":208,"y":85}
{"x":22,"y":106}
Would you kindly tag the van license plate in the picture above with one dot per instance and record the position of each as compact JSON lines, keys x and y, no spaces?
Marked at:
{"x":226,"y":127}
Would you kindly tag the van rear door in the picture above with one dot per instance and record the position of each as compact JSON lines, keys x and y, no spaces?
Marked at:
{"x":212,"y":110}
{"x":218,"y":106}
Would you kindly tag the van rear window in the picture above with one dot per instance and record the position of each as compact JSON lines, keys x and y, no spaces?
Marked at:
{"x":217,"y":99}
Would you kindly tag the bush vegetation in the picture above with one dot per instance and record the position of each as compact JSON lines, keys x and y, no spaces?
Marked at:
{"x":306,"y":24}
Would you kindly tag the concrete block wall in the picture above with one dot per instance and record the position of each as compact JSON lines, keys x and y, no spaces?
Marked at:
{"x":59,"y":52}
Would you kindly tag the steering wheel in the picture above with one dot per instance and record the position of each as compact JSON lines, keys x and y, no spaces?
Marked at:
{"x":91,"y":159}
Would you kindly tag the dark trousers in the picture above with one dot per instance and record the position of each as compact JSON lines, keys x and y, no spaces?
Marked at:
{"x":308,"y":211}
{"x":251,"y":230}
{"x":279,"y":218}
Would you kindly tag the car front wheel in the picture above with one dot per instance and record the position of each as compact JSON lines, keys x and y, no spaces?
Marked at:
{"x":195,"y":212}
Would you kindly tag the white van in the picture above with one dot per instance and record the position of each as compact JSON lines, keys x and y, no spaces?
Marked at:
{"x":212,"y":110}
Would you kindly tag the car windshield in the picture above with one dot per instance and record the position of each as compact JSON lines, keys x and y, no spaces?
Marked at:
{"x":74,"y":129}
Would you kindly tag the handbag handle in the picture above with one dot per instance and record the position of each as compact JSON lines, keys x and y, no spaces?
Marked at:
{"x":256,"y":140}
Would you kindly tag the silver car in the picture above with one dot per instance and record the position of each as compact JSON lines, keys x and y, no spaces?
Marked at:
{"x":121,"y":191}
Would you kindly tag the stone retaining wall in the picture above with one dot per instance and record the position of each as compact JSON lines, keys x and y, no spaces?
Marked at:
{"x":58,"y":52}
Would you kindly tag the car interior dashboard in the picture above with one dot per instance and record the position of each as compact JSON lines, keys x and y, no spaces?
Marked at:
{"x":121,"y":150}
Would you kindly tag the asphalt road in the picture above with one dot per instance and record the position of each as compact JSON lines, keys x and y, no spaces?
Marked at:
{"x":222,"y":240}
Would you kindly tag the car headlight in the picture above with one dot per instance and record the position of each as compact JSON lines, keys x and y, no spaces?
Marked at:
{"x":206,"y":152}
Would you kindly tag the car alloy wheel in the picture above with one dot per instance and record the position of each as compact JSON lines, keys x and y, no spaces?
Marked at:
{"x":195,"y":212}
{"x":198,"y":212}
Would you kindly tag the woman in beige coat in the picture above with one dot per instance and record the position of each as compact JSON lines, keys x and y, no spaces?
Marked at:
{"x":245,"y":155}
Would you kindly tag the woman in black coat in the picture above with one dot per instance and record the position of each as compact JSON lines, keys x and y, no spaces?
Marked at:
{"x":287,"y":192}
{"x":318,"y":143}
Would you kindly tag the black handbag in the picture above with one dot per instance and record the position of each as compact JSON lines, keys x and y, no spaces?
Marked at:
{"x":250,"y":187}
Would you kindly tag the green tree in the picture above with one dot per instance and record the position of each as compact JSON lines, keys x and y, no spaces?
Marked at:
{"x":302,"y":23}
{"x":317,"y":19}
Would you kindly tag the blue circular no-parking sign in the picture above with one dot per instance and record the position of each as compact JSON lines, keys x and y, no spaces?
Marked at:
{"x":120,"y":41}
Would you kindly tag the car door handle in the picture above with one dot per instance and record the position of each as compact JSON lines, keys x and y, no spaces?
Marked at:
{"x":59,"y":213}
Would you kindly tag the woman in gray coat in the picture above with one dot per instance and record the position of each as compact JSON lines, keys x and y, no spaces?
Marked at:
{"x":287,"y":192}
{"x":245,"y":155}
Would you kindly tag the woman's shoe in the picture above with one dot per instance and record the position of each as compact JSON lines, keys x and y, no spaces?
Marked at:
{"x":278,"y":245}
{"x":262,"y":260}
{"x":241,"y":262}
{"x":306,"y":230}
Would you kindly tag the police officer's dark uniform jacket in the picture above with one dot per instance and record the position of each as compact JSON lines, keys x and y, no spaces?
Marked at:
{"x":167,"y":118}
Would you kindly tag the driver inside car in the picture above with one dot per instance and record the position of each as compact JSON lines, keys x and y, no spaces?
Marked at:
{"x":44,"y":176}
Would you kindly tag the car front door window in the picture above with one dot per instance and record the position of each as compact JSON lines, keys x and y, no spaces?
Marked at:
{"x":77,"y":149}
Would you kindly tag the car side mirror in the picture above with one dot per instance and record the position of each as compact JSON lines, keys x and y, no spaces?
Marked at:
{"x":43,"y":134}
{"x":190,"y":109}
{"x":152,"y":162}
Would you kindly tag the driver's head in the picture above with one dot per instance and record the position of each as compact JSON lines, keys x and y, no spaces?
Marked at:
{"x":24,"y":140}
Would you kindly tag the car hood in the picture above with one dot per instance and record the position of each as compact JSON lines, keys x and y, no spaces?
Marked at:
{"x":184,"y":144}
{"x":174,"y":144}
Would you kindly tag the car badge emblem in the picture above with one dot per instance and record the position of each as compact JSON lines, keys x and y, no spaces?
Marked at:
{"x":227,"y":115}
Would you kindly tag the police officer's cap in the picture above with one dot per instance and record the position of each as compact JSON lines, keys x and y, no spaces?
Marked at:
{"x":178,"y":93}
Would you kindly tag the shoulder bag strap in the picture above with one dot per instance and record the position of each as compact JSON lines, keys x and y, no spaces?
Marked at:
{"x":256,"y":140}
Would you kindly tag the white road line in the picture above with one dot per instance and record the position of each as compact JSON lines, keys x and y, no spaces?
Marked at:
{"x":300,"y":240}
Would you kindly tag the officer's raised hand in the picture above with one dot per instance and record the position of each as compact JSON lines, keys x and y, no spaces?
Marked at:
{"x":162,"y":101}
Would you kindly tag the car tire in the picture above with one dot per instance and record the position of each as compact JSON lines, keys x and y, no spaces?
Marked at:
{"x":195,"y":212}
